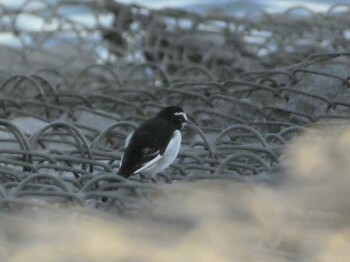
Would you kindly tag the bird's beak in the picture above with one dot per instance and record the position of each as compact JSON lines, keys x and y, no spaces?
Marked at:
{"x":190,"y":120}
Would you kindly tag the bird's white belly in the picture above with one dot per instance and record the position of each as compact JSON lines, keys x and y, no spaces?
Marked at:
{"x":168,"y":157}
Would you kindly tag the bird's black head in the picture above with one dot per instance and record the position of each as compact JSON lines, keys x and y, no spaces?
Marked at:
{"x":174,"y":115}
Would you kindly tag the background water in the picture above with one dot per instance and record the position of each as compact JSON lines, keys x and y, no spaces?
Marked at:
{"x":238,"y":7}
{"x":231,"y":6}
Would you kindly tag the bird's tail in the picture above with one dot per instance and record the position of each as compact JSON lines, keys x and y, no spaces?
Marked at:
{"x":123,"y":173}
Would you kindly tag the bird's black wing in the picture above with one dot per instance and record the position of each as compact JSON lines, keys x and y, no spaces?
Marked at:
{"x":145,"y":146}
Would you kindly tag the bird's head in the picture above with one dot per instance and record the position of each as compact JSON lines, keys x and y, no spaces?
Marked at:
{"x":175,"y":115}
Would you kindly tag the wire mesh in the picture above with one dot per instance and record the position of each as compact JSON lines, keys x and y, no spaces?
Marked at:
{"x":74,"y":86}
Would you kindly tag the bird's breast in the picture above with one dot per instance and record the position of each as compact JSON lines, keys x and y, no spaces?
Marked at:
{"x":173,"y":147}
{"x":169,"y":154}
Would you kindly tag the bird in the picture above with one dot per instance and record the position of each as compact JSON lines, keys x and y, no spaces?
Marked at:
{"x":154,"y":145}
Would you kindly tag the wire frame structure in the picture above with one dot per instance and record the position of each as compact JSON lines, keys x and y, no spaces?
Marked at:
{"x":77,"y":76}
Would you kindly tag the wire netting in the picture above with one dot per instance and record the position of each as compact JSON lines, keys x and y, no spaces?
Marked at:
{"x":78,"y":76}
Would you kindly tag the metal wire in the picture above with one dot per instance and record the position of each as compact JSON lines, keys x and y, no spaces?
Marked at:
{"x":72,"y":90}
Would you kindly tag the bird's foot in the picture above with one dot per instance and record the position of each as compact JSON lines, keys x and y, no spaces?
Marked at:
{"x":145,"y":179}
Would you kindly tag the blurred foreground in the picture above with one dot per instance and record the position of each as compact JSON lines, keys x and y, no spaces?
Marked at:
{"x":303,"y":218}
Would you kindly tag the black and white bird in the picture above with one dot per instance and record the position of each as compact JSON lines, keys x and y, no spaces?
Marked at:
{"x":154,"y":145}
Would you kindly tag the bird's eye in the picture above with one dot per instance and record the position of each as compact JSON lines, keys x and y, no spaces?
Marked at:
{"x":182,"y":116}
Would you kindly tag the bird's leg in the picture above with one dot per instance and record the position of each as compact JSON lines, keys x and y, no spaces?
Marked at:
{"x":143,"y":177}
{"x":153,"y":178}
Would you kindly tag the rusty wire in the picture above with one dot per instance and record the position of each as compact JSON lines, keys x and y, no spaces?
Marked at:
{"x":67,"y":108}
